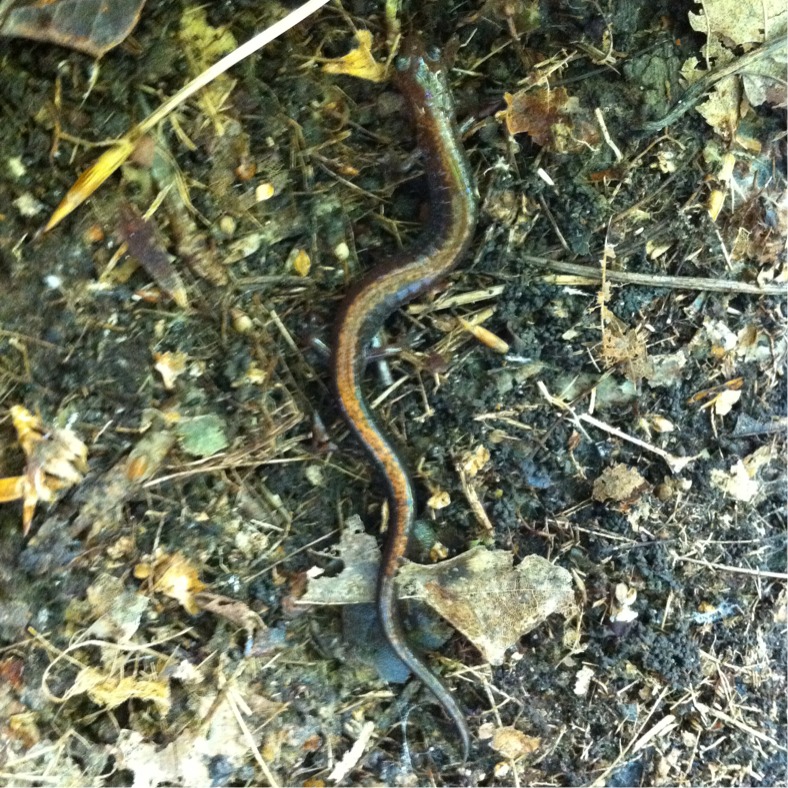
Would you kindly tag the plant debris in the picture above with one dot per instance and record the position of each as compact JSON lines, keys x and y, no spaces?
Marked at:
{"x":492,"y":603}
{"x":56,"y":460}
{"x":90,"y":26}
{"x":592,"y":406}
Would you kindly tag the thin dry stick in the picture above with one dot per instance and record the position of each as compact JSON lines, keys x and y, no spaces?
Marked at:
{"x":250,"y":742}
{"x":676,"y":464}
{"x":600,"y":781}
{"x":698,"y":89}
{"x":250,"y":47}
{"x":742,"y":726}
{"x":113,"y":158}
{"x":741,"y":570}
{"x":673,"y":282}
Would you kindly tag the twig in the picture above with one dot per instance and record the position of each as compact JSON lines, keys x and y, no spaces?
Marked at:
{"x":351,"y":758}
{"x":250,"y":742}
{"x":236,"y":56}
{"x":600,"y":781}
{"x":698,"y":89}
{"x":652,"y":280}
{"x":676,"y":464}
{"x":742,"y":726}
{"x":600,"y":119}
{"x":115,"y":156}
{"x":742,"y":570}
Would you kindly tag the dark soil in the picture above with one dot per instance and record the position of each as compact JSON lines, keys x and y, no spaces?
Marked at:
{"x":690,"y":690}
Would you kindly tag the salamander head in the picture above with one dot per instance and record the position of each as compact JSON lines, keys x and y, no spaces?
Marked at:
{"x":420,"y":74}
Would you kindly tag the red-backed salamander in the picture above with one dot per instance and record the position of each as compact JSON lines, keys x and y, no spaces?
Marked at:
{"x":421,"y":78}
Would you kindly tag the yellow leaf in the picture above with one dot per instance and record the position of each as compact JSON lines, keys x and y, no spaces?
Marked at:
{"x":11,"y":488}
{"x":359,"y":62}
{"x":302,"y":263}
{"x":91,"y":179}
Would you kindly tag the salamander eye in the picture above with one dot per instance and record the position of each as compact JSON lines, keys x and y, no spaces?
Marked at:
{"x":433,"y":54}
{"x":402,"y":63}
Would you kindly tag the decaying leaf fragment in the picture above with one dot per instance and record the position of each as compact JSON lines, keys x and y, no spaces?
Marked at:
{"x":513,"y":744}
{"x":203,"y":44}
{"x":732,"y":26}
{"x":90,"y":26}
{"x":623,"y":346}
{"x":56,"y":460}
{"x":189,"y":757}
{"x":115,"y":610}
{"x":91,"y":179}
{"x":490,"y":601}
{"x":551,"y":117}
{"x":355,"y":584}
{"x":111,"y":691}
{"x":139,"y":235}
{"x":170,"y":365}
{"x":173,"y":576}
{"x":359,"y":62}
{"x":741,"y":481}
{"x":619,"y":483}
{"x":479,"y":592}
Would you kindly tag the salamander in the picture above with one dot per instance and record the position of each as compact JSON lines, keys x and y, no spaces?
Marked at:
{"x":420,"y":76}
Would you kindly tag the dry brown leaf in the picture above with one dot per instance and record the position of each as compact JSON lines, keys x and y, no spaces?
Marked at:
{"x":170,"y":365}
{"x":551,"y":117}
{"x":490,"y":601}
{"x":479,"y":592}
{"x":356,"y":583}
{"x":203,"y":45}
{"x":731,"y":26}
{"x":116,"y":610}
{"x":56,"y":460}
{"x":624,"y":346}
{"x":90,"y":26}
{"x":112,"y":691}
{"x":514,"y":744}
{"x":619,"y":483}
{"x":143,"y":245}
{"x":232,"y":610}
{"x":187,"y":759}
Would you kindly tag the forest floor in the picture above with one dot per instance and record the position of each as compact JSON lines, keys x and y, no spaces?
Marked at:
{"x":182,"y":611}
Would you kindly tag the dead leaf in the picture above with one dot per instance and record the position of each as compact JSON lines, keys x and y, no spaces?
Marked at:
{"x":116,"y":610}
{"x":232,"y":610}
{"x":174,"y":576}
{"x":619,"y":483}
{"x":139,"y":235}
{"x":188,"y":759}
{"x":170,"y":365}
{"x":551,"y":117}
{"x":491,"y":602}
{"x":514,"y":744}
{"x":625,"y":347}
{"x":731,"y":26}
{"x":355,"y":584}
{"x":203,"y":45}
{"x":90,"y":26}
{"x":91,"y":179}
{"x":479,"y":592}
{"x":112,"y":691}
{"x":359,"y":62}
{"x":56,"y":460}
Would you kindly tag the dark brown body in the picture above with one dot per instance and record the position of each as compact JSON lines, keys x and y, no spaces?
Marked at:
{"x":421,"y":79}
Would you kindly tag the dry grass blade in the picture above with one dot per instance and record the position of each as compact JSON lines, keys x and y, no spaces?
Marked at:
{"x":108,"y":162}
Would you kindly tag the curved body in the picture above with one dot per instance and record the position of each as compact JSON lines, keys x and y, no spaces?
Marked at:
{"x":391,"y":283}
